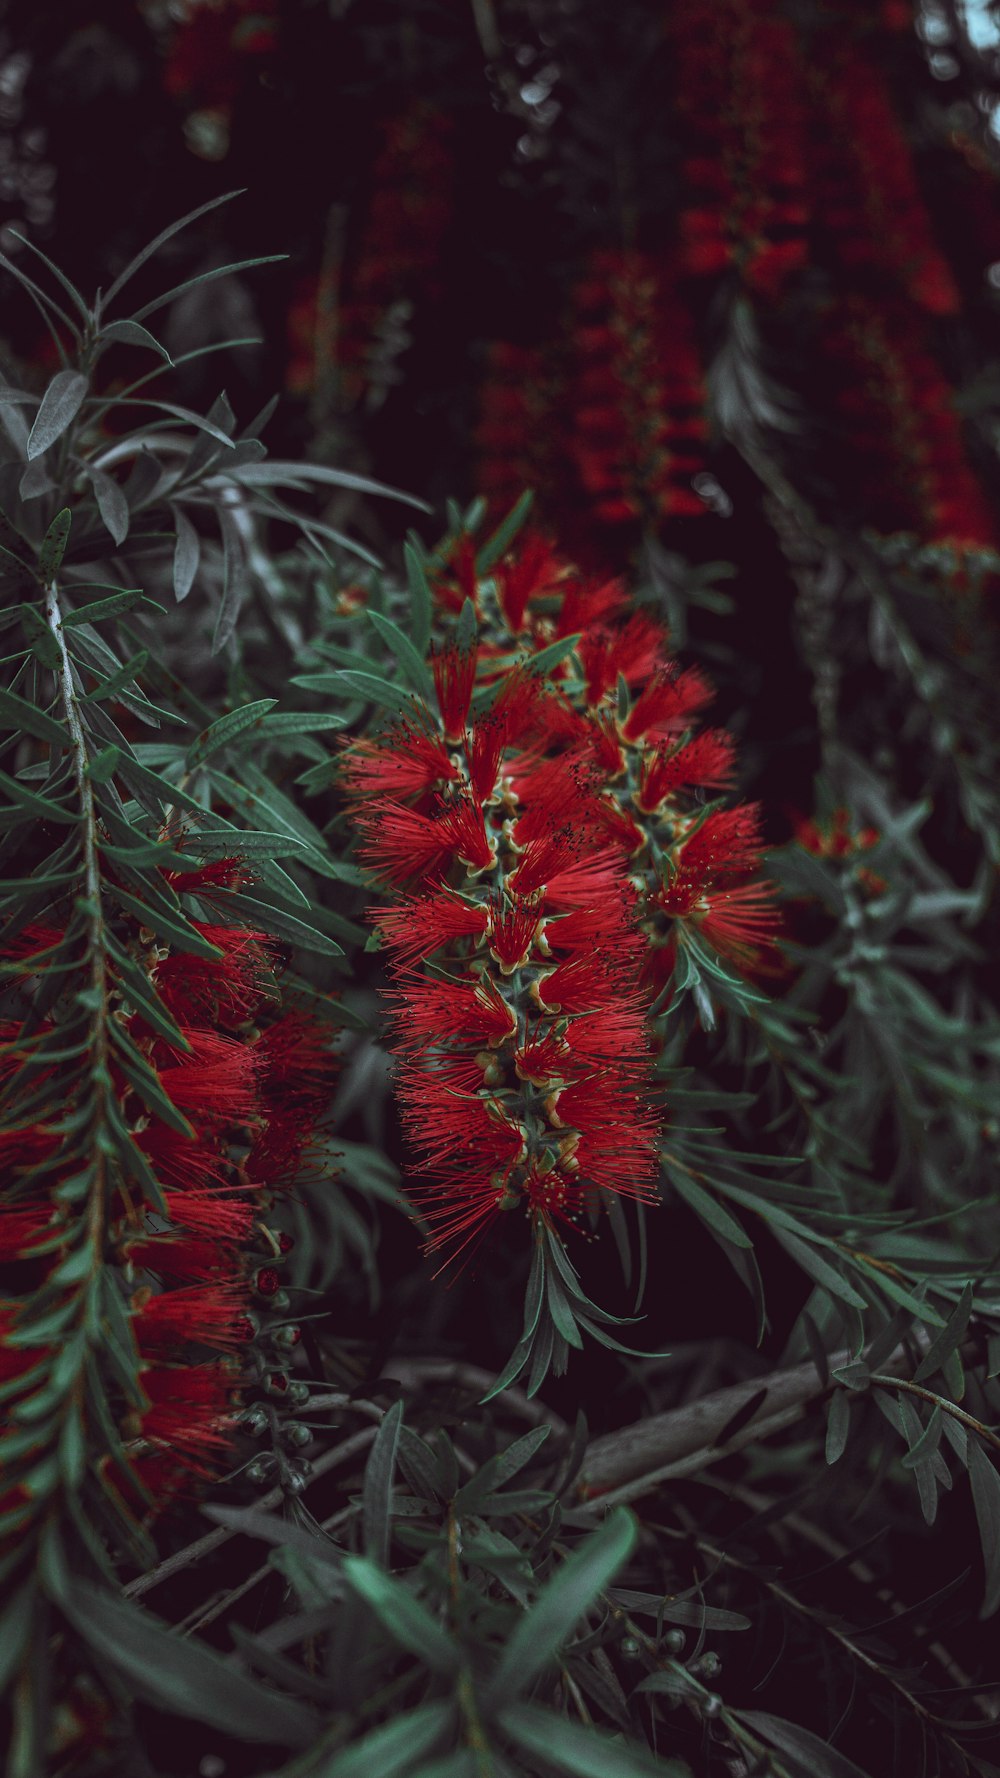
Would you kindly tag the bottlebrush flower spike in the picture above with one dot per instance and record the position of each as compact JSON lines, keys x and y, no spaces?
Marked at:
{"x":213,"y":1090}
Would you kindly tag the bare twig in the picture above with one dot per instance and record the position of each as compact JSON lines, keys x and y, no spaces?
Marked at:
{"x":623,"y":1464}
{"x":203,"y":1546}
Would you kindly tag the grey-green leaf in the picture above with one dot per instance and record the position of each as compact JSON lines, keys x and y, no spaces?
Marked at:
{"x":57,"y":409}
{"x":540,"y":1634}
{"x":185,"y":1678}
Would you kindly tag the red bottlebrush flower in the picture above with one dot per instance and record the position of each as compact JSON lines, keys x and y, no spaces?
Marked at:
{"x":297,"y":1070}
{"x":215,"y":1082}
{"x":637,"y":397}
{"x":666,"y":704}
{"x":223,"y":1213}
{"x":536,"y":572}
{"x":454,"y":672}
{"x":485,"y":750}
{"x":190,"y":1411}
{"x":634,"y":652}
{"x":438,"y":1013}
{"x":400,"y":844}
{"x":542,"y":860}
{"x":741,"y":922}
{"x":464,"y":832}
{"x":725,"y":844}
{"x":202,"y":1314}
{"x":226,"y":991}
{"x":170,"y":1255}
{"x":707,"y":762}
{"x":416,"y":928}
{"x":512,"y":926}
{"x":405,"y":761}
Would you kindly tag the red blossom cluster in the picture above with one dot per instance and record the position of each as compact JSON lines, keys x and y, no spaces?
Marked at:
{"x":546,"y":838}
{"x":637,"y":398}
{"x":841,"y":837}
{"x":739,"y":92}
{"x":904,"y":432}
{"x":219,"y":1118}
{"x":868,"y":201}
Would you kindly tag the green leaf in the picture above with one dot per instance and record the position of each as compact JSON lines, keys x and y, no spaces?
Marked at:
{"x":581,"y":1752}
{"x":129,"y":333}
{"x":467,"y":628}
{"x":415,"y":670}
{"x":57,"y":410}
{"x":812,"y":1757}
{"x":125,"y":675}
{"x":239,"y":842}
{"x":391,"y":1750}
{"x":235,"y":579}
{"x":950,"y":1337}
{"x":209,"y":277}
{"x":539,"y":1635}
{"x":275,"y":471}
{"x":370,"y":686}
{"x":547,"y":658}
{"x":37,"y":804}
{"x":275,"y":920}
{"x":500,"y":1469}
{"x":58,"y":274}
{"x":16,"y":713}
{"x":125,"y":600}
{"x":838,"y":1425}
{"x":225,"y":729}
{"x":186,"y":1678}
{"x":40,"y":638}
{"x":407,"y":1620}
{"x":420,"y":600}
{"x":187,"y":554}
{"x":169,"y":925}
{"x":824,"y":1274}
{"x":111,"y":503}
{"x":710,"y":1212}
{"x":54,"y":546}
{"x":103,"y":765}
{"x":15,"y":1630}
{"x":376,"y":1496}
{"x":497,"y":546}
{"x":985,"y":1484}
{"x":160,"y":240}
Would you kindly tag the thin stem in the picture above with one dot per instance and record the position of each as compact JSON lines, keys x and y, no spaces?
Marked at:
{"x":203,"y":1546}
{"x":939,"y":1401}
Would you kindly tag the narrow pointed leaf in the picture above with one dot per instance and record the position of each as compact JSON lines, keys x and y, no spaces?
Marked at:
{"x":57,"y":410}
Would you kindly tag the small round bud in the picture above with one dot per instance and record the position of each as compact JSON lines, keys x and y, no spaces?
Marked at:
{"x":709,"y":1666}
{"x":298,"y":1394}
{"x":674,"y":1641}
{"x":253,"y":1421}
{"x":258,"y":1471}
{"x":712,"y":1705}
{"x":276,"y":1383}
{"x":267,"y":1282}
{"x":294,"y":1482}
{"x":629,"y":1647}
{"x":296,"y":1434}
{"x":280,"y":1301}
{"x":287,"y":1336}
